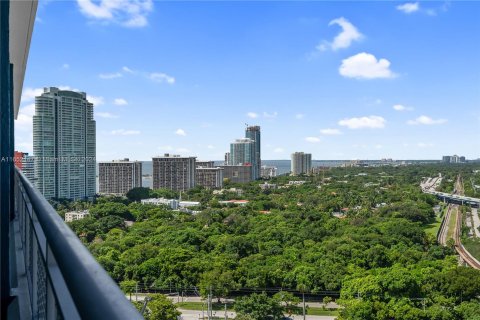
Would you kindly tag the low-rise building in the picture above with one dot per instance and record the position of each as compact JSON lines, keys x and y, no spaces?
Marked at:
{"x":268,"y":172}
{"x":238,"y":192}
{"x":267,"y":186}
{"x":75,"y":215}
{"x":172,"y":203}
{"x":235,"y":202}
{"x":296,"y":183}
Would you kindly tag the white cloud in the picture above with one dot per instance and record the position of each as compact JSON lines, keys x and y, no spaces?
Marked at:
{"x":210,"y":147}
{"x":345,"y":38}
{"x":400,"y":107}
{"x":161,"y":77}
{"x":25,"y":118}
{"x":129,"y":13}
{"x":29,"y":94}
{"x":330,"y":132}
{"x":252,"y":115}
{"x":299,"y":116}
{"x":270,"y":115}
{"x":127,"y":69}
{"x":373,"y":122}
{"x":108,"y":76}
{"x":378,"y":146}
{"x":180,"y":132}
{"x":96,"y":100}
{"x":65,"y":66}
{"x":409,"y":7}
{"x":365,"y":66}
{"x":68,"y":88}
{"x":312,"y":139}
{"x":279,"y":150}
{"x":120,"y":102}
{"x":425,"y":120}
{"x":123,"y":132}
{"x":106,"y":115}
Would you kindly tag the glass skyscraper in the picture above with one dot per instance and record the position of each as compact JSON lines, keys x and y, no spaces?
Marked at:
{"x":253,"y":133}
{"x":64,"y":144}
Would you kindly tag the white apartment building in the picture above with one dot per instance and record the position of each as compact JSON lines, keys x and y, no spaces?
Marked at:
{"x":64,"y":144}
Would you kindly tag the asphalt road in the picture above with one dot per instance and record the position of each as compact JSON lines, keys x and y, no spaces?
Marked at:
{"x":196,"y":315}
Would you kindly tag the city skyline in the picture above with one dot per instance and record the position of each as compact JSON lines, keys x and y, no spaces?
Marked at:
{"x":340,"y":81}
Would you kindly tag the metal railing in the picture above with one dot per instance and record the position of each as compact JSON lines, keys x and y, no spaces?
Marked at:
{"x":64,"y":280}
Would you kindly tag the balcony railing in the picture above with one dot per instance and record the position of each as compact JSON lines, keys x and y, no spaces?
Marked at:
{"x":63,"y":279}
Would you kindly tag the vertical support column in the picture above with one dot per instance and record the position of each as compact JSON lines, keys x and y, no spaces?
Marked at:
{"x":6,"y":156}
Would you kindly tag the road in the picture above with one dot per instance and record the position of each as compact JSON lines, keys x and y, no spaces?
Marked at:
{"x":196,"y":315}
{"x":476,"y":222}
{"x":442,"y":235}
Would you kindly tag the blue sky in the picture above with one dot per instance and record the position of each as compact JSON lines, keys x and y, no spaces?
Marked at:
{"x":341,"y":80}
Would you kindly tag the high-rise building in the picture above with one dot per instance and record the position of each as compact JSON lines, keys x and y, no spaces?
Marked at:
{"x":26,"y":164}
{"x":242,"y":152}
{"x":454,"y":159}
{"x":28,"y":167}
{"x":301,"y":163}
{"x":238,"y":173}
{"x":205,"y":164}
{"x":64,"y":144}
{"x":119,"y":176}
{"x":18,"y":159}
{"x":227,"y":158}
{"x":253,"y":133}
{"x":209,"y":177}
{"x":173,"y":172}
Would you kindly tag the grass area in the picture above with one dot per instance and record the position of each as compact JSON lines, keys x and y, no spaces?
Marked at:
{"x":312,"y":311}
{"x":433,"y":227}
{"x":321,"y":312}
{"x":472,"y":246}
{"x":451,"y":224}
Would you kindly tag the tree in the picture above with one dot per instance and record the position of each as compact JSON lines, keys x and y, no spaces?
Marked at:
{"x":110,"y":209}
{"x":138,"y":194}
{"x":326,"y":301}
{"x":259,"y":307}
{"x":108,"y":223}
{"x":162,"y":308}
{"x":288,"y":301}
{"x":221,"y":282}
{"x":128,"y":287}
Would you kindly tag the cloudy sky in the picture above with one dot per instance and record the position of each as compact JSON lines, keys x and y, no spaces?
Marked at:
{"x":342,"y":80}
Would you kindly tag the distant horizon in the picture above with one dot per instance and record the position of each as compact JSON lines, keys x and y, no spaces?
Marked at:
{"x":312,"y":160}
